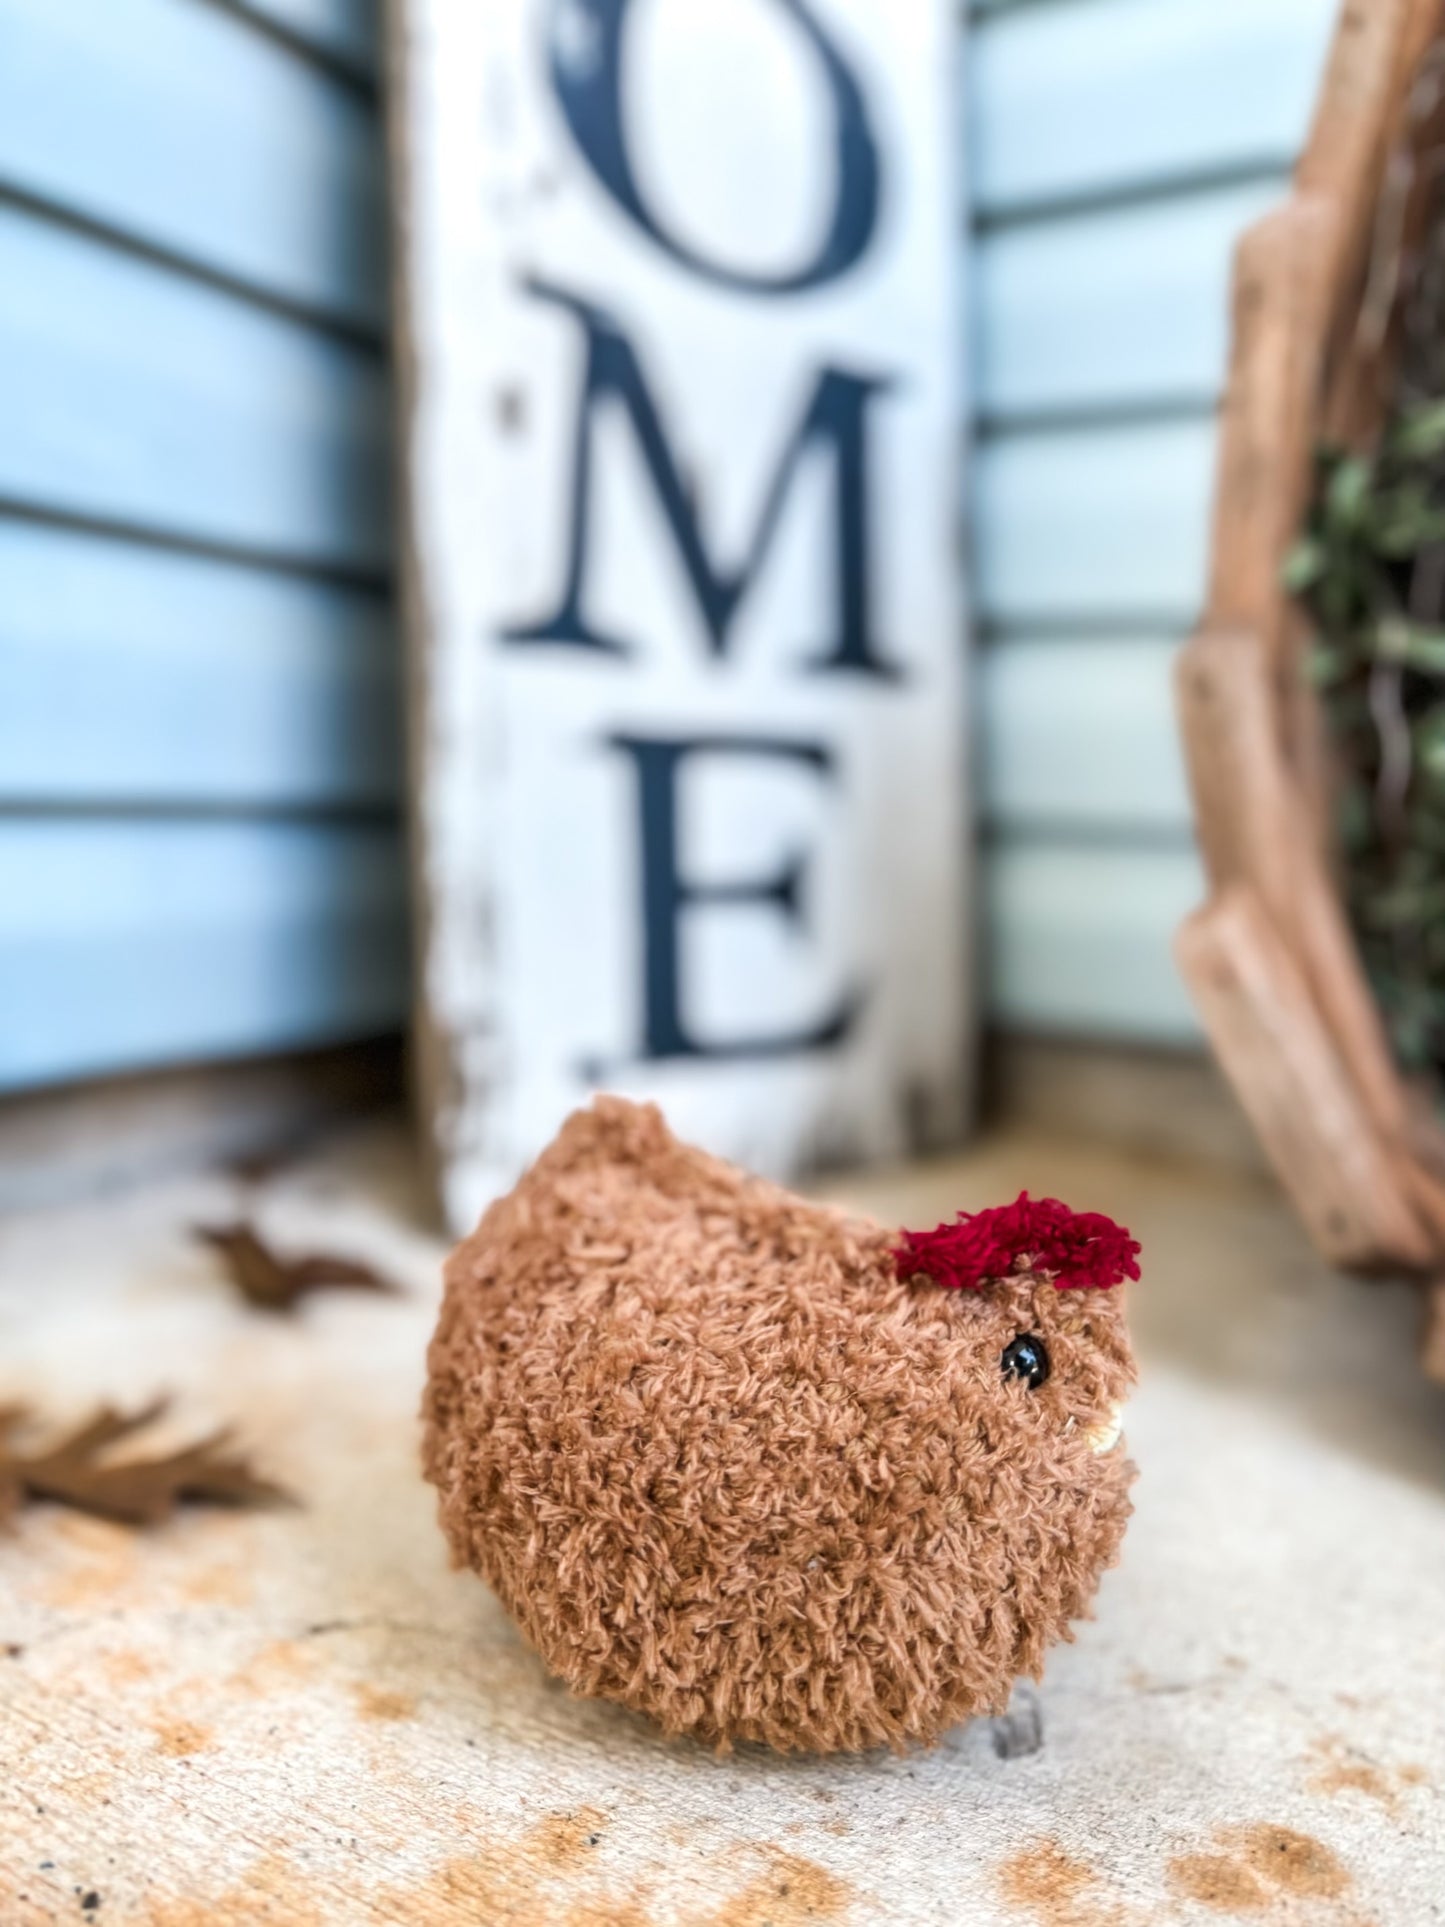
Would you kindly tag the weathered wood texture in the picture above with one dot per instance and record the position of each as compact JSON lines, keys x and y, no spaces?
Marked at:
{"x":302,"y":1719}
{"x":1270,"y":960}
{"x":1435,"y":1331}
{"x":1257,"y":1006}
{"x":561,"y":835}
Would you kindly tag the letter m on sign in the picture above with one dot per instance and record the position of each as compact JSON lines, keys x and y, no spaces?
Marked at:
{"x":835,"y":419}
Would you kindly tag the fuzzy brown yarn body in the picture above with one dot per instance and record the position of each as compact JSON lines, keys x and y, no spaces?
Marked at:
{"x":723,"y":1465}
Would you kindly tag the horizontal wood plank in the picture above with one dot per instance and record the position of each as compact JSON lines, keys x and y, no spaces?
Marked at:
{"x":181,"y":127}
{"x":1101,"y":97}
{"x":126,"y":942}
{"x":130,"y":394}
{"x":1079,"y":939}
{"x":1118,"y":147}
{"x":346,"y":31}
{"x":132,"y":676}
{"x":1088,"y":526}
{"x":1078,"y":731}
{"x":1116,"y":308}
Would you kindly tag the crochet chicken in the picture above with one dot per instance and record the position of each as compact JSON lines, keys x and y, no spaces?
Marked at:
{"x":768,"y":1472}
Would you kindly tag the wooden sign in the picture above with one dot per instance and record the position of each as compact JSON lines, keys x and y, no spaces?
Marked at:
{"x":681,"y":359}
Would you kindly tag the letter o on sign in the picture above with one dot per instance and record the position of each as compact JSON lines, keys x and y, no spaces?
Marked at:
{"x":584,"y":54}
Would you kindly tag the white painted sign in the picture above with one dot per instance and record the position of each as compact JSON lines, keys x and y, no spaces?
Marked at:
{"x":684,"y":449}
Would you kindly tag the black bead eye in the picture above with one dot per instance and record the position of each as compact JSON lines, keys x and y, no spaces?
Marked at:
{"x":1026,"y":1357}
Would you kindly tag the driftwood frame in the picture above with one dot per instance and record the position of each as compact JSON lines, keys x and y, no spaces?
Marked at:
{"x":1269,"y":958}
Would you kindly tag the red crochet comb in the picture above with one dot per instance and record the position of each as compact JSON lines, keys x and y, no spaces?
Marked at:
{"x":1080,"y":1248}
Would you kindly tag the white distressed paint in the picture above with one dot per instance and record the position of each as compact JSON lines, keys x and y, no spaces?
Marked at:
{"x":530,"y":842}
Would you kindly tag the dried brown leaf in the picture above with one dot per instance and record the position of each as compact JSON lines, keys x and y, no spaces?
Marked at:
{"x":81,"y":1470}
{"x":274,"y":1283}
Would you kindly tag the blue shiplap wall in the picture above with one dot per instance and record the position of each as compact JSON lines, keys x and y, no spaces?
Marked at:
{"x":199,"y":668}
{"x":1117,"y":149}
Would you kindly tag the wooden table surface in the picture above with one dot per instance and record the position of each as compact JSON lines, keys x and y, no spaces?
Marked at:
{"x":303,"y":1717}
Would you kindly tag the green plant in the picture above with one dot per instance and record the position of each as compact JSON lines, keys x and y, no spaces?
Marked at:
{"x":1370,"y":570}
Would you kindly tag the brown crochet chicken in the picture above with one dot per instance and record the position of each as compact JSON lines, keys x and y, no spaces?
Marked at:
{"x":751,"y":1466}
